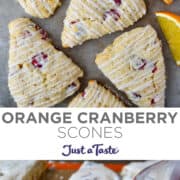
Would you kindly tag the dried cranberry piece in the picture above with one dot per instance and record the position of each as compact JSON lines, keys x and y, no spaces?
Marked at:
{"x":44,"y":56}
{"x":26,"y":34}
{"x":137,"y":95}
{"x":156,"y":99}
{"x":42,"y":32}
{"x":35,"y":63}
{"x":74,"y":84}
{"x":154,"y":69}
{"x":113,"y":13}
{"x":117,"y":2}
{"x":83,"y":94}
{"x":143,"y":65}
{"x":37,"y":27}
{"x":39,"y":60}
{"x":74,"y":22}
{"x":153,"y":101}
{"x":139,"y":64}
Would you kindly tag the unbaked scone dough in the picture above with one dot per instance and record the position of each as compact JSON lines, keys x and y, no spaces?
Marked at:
{"x":91,"y":19}
{"x":22,"y":170}
{"x":96,"y":95}
{"x":135,"y":64}
{"x":40,"y":8}
{"x":39,"y":74}
{"x":94,"y":171}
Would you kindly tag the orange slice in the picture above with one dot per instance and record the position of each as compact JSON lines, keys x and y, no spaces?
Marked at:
{"x":170,"y":25}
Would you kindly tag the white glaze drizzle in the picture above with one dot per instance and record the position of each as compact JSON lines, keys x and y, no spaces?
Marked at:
{"x":138,"y":81}
{"x":128,"y":10}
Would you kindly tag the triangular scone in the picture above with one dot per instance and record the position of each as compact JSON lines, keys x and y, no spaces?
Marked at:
{"x":135,"y":64}
{"x":39,"y":74}
{"x":22,"y":170}
{"x":40,"y":8}
{"x":96,"y":95}
{"x":91,"y":19}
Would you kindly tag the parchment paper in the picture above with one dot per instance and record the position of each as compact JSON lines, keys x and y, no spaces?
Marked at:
{"x":84,"y":55}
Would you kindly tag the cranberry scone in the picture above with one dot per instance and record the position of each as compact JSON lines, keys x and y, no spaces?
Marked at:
{"x":39,"y":74}
{"x":22,"y":170}
{"x":96,"y":95}
{"x":135,"y":65}
{"x":40,"y":8}
{"x":96,"y":171}
{"x":91,"y":19}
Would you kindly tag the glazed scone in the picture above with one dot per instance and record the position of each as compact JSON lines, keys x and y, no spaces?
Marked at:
{"x":135,"y":64}
{"x":96,"y":95}
{"x":39,"y":74}
{"x":22,"y":170}
{"x":94,"y":171}
{"x":40,"y":8}
{"x":91,"y":19}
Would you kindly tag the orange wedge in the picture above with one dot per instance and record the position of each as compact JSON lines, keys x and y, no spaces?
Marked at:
{"x":170,"y":25}
{"x":168,"y":1}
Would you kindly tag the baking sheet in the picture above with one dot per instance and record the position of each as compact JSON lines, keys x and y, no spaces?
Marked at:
{"x":84,"y":55}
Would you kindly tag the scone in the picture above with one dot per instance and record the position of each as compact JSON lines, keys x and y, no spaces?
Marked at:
{"x":39,"y":74}
{"x":40,"y":8}
{"x":22,"y":170}
{"x":91,"y":19}
{"x":94,"y":171}
{"x":96,"y":95}
{"x":135,"y":64}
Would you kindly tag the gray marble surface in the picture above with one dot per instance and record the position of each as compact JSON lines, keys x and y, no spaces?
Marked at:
{"x":84,"y":55}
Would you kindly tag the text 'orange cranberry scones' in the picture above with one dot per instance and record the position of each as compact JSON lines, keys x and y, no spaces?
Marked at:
{"x":135,"y":64}
{"x":39,"y":74}
{"x":96,"y":95}
{"x":91,"y":19}
{"x":40,"y":8}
